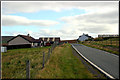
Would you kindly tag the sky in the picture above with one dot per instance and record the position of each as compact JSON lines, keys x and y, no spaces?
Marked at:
{"x":65,"y":19}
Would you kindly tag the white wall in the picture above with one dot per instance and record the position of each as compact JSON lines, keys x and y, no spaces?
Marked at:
{"x":3,"y":49}
{"x":83,"y":38}
{"x":18,"y":40}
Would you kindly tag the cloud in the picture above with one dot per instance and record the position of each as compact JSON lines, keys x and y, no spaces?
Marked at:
{"x":101,"y":17}
{"x":29,"y":7}
{"x":95,"y":22}
{"x":9,"y":20}
{"x":55,"y":33}
{"x":96,"y":17}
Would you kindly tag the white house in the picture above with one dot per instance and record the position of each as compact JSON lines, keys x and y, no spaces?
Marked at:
{"x":84,"y":37}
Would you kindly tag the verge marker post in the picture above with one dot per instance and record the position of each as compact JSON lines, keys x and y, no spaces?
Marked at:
{"x":43,"y":60}
{"x":28,"y":69}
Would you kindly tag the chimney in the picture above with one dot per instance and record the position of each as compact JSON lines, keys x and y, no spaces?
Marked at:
{"x":83,"y":34}
{"x":28,"y":34}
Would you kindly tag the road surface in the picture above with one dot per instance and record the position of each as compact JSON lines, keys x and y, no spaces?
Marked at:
{"x":106,"y":62}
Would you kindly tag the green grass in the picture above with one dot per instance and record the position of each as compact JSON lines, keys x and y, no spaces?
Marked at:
{"x":14,"y":62}
{"x":64,"y":65}
{"x":61,"y":65}
{"x":110,"y":45}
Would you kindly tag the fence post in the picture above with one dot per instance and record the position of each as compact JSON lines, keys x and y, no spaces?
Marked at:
{"x":49,"y":53}
{"x":43,"y":60}
{"x":111,"y":42}
{"x":51,"y":49}
{"x":106,"y":42}
{"x":116,"y":42}
{"x":28,"y":69}
{"x":48,"y":50}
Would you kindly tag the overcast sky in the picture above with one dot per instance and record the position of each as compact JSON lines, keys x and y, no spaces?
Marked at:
{"x":64,"y":19}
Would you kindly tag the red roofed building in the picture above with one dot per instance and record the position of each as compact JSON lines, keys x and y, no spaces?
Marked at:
{"x":24,"y":40}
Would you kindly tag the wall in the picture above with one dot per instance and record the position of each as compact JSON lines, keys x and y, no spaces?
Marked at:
{"x":18,"y":40}
{"x":3,"y":49}
{"x":82,"y":38}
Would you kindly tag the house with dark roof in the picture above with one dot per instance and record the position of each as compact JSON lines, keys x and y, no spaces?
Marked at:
{"x":24,"y":40}
{"x":50,"y":40}
{"x":84,"y":37}
{"x":5,"y":39}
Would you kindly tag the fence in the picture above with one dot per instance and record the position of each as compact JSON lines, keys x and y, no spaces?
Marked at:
{"x":24,"y":72}
{"x":45,"y":60}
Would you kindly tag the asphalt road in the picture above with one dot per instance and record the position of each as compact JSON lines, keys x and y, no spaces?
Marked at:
{"x":106,"y":61}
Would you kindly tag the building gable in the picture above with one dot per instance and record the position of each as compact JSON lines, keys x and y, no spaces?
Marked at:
{"x":84,"y":37}
{"x":18,"y":40}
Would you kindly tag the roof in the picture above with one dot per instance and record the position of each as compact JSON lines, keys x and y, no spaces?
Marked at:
{"x":6,"y":38}
{"x":28,"y":38}
{"x":4,"y":44}
{"x":87,"y":35}
{"x":37,"y":40}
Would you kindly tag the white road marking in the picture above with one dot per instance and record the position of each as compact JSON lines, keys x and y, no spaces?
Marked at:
{"x":94,"y":64}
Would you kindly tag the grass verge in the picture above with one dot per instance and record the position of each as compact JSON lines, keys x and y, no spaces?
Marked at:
{"x":14,"y":62}
{"x":114,"y":48}
{"x":64,"y":65}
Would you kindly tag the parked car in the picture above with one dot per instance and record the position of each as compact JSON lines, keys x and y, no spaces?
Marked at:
{"x":48,"y":44}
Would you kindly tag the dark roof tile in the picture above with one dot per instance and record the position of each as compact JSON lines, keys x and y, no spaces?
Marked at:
{"x":29,"y":38}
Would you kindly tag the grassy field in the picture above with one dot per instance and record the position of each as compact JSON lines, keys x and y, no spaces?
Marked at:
{"x":64,"y":65}
{"x":14,"y":62}
{"x":110,"y":45}
{"x":61,"y":65}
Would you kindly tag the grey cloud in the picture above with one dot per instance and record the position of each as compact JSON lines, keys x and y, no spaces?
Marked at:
{"x":13,"y":7}
{"x":110,"y":17}
{"x":96,"y":30}
{"x":8,"y":20}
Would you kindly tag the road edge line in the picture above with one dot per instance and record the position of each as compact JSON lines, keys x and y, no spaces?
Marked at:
{"x":94,"y":64}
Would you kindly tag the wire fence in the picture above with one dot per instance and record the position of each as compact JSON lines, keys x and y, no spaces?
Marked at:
{"x":44,"y":61}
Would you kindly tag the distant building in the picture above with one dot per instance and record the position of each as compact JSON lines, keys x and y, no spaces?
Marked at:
{"x":5,"y":39}
{"x":84,"y":37}
{"x":22,"y":41}
{"x":108,"y":35}
{"x":50,"y":40}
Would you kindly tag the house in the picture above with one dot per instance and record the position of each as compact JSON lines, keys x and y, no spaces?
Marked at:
{"x":50,"y":40}
{"x":37,"y":42}
{"x":57,"y":40}
{"x":22,"y":41}
{"x":84,"y":37}
{"x":5,"y":39}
